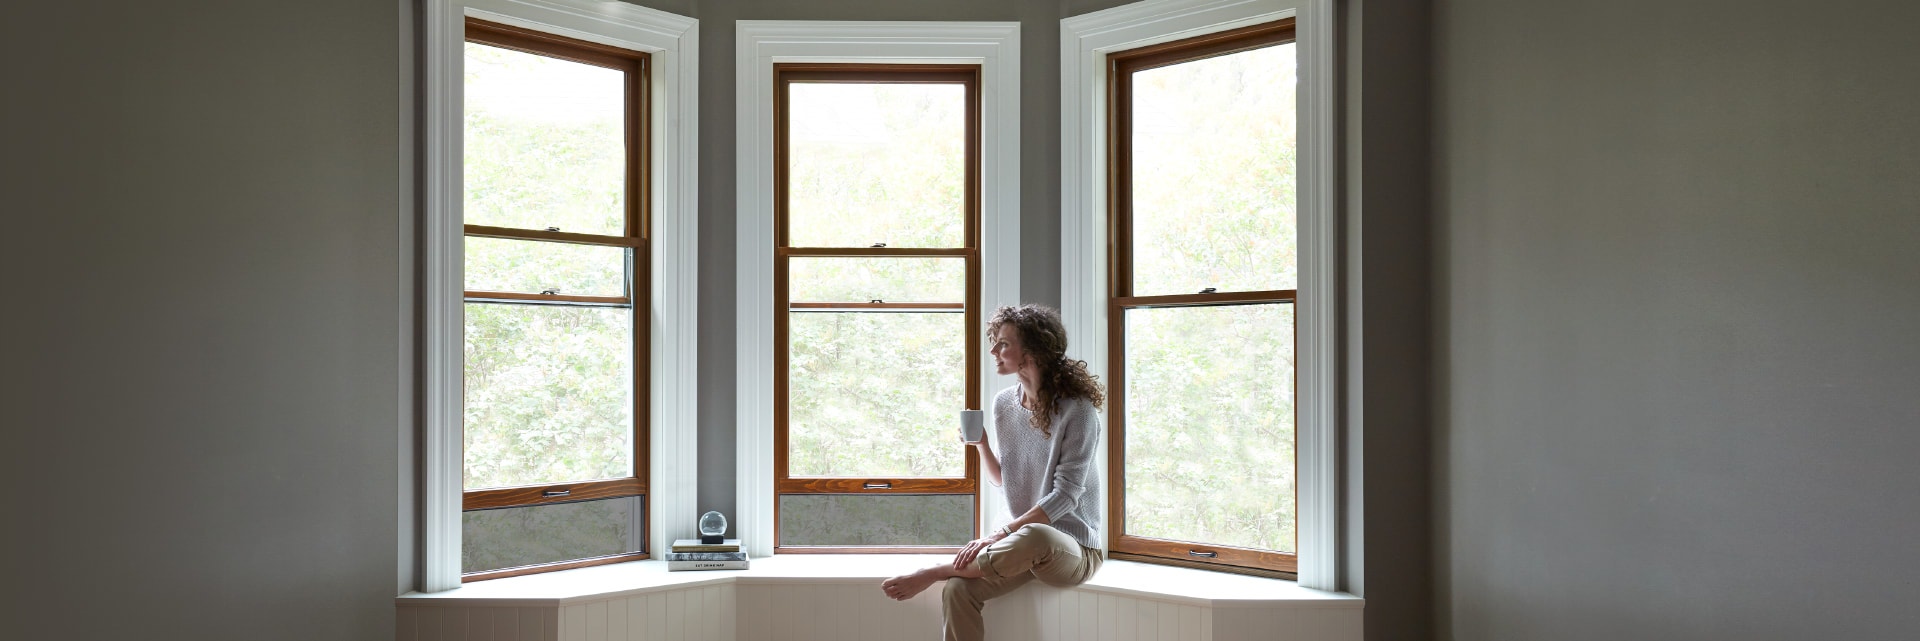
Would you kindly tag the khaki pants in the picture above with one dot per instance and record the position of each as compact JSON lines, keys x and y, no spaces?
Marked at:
{"x":1033,"y":552}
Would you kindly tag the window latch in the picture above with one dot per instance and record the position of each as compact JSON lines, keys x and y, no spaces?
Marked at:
{"x":552,"y":291}
{"x":1204,"y":555}
{"x":553,"y":493}
{"x":879,"y":486}
{"x":553,"y":229}
{"x":1208,"y":290}
{"x":875,"y":300}
{"x":879,"y":245}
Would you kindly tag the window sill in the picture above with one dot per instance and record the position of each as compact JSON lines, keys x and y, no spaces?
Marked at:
{"x":1123,"y":578}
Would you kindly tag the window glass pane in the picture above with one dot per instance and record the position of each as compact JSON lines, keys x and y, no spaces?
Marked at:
{"x":549,"y":394}
{"x":519,"y":536}
{"x":1209,"y":425}
{"x":530,"y":266}
{"x":875,"y":394}
{"x":1213,"y":174}
{"x":876,"y":163}
{"x":895,"y":280}
{"x":876,"y":519}
{"x":545,"y":143}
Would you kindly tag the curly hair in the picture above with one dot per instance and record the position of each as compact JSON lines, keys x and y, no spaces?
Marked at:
{"x":1044,"y":338}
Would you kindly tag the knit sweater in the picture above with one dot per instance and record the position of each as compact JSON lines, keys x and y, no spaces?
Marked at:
{"x":1054,"y":473}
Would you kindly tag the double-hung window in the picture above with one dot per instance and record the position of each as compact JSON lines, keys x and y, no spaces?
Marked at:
{"x":1202,"y":276}
{"x":556,"y":259}
{"x":876,"y":305}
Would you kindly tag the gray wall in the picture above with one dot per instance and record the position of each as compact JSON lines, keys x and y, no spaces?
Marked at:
{"x":1388,"y":446}
{"x":1678,"y":274}
{"x":202,"y":387}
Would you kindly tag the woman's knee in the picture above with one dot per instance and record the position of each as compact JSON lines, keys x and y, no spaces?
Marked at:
{"x":1034,"y":538}
{"x":956,"y":591}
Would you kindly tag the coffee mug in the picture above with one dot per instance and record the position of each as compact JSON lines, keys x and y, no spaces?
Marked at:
{"x":972,"y":426}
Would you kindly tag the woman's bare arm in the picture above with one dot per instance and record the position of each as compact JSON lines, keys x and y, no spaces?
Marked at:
{"x":989,"y":464}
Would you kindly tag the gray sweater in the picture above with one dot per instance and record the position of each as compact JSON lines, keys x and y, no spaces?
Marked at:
{"x":1056,"y":474}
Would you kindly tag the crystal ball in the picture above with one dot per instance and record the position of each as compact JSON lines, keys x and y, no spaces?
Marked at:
{"x":713,"y":524}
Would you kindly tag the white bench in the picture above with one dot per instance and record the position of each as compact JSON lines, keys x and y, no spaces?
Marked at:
{"x":837,"y":598}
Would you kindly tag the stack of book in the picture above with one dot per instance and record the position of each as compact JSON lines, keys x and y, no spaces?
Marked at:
{"x":691,"y":554}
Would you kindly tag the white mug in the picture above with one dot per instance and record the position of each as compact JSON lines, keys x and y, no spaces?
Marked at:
{"x":972,"y":426}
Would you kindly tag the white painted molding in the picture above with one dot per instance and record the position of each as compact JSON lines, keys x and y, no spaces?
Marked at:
{"x":673,"y":43}
{"x":1318,"y":434}
{"x":1084,"y":43}
{"x":759,"y":44}
{"x":441,"y":312}
{"x":810,"y":596}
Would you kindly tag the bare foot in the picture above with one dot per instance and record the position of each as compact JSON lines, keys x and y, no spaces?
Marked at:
{"x":905,"y":586}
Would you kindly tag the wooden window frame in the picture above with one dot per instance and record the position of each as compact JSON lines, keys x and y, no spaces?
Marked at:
{"x":637,"y":66}
{"x":784,"y":75}
{"x":1120,"y":67}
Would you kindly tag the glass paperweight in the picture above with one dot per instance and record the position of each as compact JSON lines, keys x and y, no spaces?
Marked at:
{"x":713,"y":527}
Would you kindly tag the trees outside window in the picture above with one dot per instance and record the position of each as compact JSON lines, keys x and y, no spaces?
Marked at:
{"x":876,"y":306}
{"x":1203,"y":272}
{"x":555,"y":266}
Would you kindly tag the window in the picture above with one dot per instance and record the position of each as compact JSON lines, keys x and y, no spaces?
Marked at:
{"x":1202,"y":281}
{"x":763,"y":45}
{"x":556,"y":264}
{"x":628,"y":258}
{"x":877,"y":296}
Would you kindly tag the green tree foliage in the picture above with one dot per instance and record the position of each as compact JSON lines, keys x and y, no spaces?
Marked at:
{"x":545,"y":143}
{"x":549,"y":397}
{"x":1213,"y":174}
{"x":507,"y":265}
{"x":1209,"y":398}
{"x":1209,"y":431}
{"x":877,"y":163}
{"x":549,"y":393}
{"x":893,"y":279}
{"x":876,"y":394}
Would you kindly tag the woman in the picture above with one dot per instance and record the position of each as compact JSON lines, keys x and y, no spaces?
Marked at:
{"x":1047,"y":427}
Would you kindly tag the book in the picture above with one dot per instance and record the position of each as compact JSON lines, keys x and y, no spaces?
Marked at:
{"x":706,"y":556}
{"x":694,"y":545}
{"x":677,"y":566}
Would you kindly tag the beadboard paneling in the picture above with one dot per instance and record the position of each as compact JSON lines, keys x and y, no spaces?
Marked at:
{"x":840,"y":610}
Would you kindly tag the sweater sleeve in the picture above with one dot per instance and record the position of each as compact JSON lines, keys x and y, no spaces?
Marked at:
{"x":1078,"y":431}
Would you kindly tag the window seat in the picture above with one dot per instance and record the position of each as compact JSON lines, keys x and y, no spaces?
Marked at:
{"x":836,"y":597}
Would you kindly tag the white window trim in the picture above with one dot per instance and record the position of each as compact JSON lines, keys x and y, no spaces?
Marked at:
{"x":1084,"y":43}
{"x":995,"y":46}
{"x":673,"y":43}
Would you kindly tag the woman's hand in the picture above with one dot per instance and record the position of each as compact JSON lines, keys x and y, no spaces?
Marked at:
{"x":973,"y":549}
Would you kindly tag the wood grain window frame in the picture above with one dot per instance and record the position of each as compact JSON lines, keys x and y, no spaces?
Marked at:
{"x":1120,"y":67}
{"x":784,"y":75}
{"x":637,"y":66}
